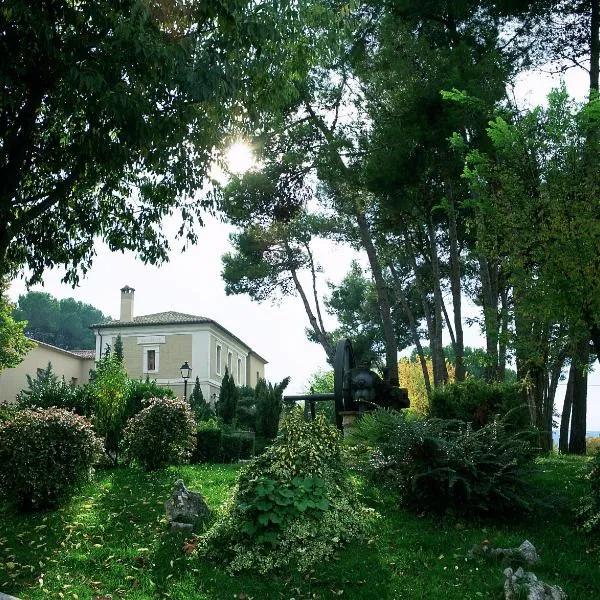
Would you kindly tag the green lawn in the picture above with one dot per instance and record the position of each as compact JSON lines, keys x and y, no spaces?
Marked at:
{"x":111,"y":541}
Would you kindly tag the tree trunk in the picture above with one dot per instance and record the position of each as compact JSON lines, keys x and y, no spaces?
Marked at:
{"x":440,"y":373}
{"x":594,"y":45}
{"x":455,"y":286}
{"x":579,"y":408}
{"x":489,"y":292}
{"x":391,"y":345}
{"x":503,"y":336}
{"x":412,"y":326}
{"x":320,"y":334}
{"x":565,"y":418}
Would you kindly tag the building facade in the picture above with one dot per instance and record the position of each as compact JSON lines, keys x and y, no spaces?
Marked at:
{"x":156,"y":346}
{"x":73,"y":365}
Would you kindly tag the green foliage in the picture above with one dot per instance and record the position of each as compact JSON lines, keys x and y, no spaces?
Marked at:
{"x":118,"y":349}
{"x":217,"y":444}
{"x":44,"y":454}
{"x":321,"y":382}
{"x":437,"y":465}
{"x":200,"y":407}
{"x":46,"y":390}
{"x":108,"y":388}
{"x":246,"y":408}
{"x":589,"y":511}
{"x":292,"y":506}
{"x":479,"y":402}
{"x":160,"y":434}
{"x":273,"y":506}
{"x":236,"y":446}
{"x":228,"y":396}
{"x":592,"y":445}
{"x":139,"y":393}
{"x":64,"y":323}
{"x":269,"y":399}
{"x":125,"y":88}
{"x":14,"y":345}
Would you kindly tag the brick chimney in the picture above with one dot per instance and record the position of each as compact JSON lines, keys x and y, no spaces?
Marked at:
{"x":127,"y":304}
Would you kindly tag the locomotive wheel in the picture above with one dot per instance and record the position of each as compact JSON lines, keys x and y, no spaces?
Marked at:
{"x":343,"y":362}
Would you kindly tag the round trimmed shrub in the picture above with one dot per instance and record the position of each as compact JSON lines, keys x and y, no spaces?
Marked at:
{"x":44,"y":455}
{"x":161,"y":434}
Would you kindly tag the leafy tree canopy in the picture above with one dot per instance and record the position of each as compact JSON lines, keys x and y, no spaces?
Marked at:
{"x":64,"y":323}
{"x":14,"y":345}
{"x":111,"y":111}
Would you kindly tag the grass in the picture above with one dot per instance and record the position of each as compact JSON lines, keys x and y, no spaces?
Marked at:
{"x":111,"y":541}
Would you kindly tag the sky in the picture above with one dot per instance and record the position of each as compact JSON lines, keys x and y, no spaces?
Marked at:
{"x":191,"y":283}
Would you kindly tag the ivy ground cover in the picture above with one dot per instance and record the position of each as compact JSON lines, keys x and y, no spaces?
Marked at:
{"x":112,"y":541}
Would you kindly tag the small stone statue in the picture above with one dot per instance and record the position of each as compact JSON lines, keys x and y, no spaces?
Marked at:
{"x":185,"y":508}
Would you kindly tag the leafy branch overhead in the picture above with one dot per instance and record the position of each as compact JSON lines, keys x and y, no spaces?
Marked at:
{"x":110,"y":114}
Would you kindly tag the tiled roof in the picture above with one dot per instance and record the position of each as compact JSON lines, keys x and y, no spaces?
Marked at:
{"x":162,"y":318}
{"x":84,"y":353}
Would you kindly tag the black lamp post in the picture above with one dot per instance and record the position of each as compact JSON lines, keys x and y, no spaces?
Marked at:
{"x":186,"y":371}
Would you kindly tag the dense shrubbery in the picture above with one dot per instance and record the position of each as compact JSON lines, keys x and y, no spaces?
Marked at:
{"x":592,"y":445}
{"x":208,"y":441}
{"x":269,"y":399}
{"x":217,"y":444}
{"x":139,"y":393}
{"x":589,"y":514}
{"x":44,"y":454}
{"x":479,"y":402}
{"x":438,"y":465}
{"x":293,"y":505}
{"x":47,"y":390}
{"x":160,"y":434}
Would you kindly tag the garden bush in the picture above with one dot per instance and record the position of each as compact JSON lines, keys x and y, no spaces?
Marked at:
{"x":139,"y":393}
{"x":592,"y":445}
{"x":160,"y":434}
{"x":237,"y":446}
{"x":436,"y":465}
{"x":44,"y":454}
{"x":589,"y":513}
{"x":208,"y":441}
{"x":479,"y":402}
{"x":215,"y":443}
{"x":292,"y":506}
{"x":47,"y":390}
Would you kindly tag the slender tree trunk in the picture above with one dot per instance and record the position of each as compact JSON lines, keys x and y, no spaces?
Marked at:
{"x":579,"y":408}
{"x":412,"y":324}
{"x":503,"y":337}
{"x":594,"y":45}
{"x":320,"y":334}
{"x":391,"y":345}
{"x":455,"y":286}
{"x":489,"y":290}
{"x":449,"y":326}
{"x":565,"y":418}
{"x":314,"y":287}
{"x":440,"y":372}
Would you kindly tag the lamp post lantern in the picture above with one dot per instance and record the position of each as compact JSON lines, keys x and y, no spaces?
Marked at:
{"x":186,"y":371}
